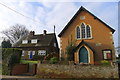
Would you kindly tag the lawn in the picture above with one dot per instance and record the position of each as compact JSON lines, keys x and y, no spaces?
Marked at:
{"x":28,"y":61}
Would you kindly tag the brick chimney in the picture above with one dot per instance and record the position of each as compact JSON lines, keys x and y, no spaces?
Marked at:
{"x":32,"y":33}
{"x":44,"y":32}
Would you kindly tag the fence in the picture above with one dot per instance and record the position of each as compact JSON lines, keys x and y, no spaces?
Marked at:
{"x":20,"y":69}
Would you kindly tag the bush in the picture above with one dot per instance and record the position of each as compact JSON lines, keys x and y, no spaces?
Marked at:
{"x":70,"y":51}
{"x":10,"y":56}
{"x":5,"y":70}
{"x":105,"y":62}
{"x":54,"y":60}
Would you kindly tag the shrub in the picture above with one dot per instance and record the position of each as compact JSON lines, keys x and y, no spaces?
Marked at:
{"x":54,"y":60}
{"x":10,"y":56}
{"x":50,"y":55}
{"x":70,"y":51}
{"x":105,"y":62}
{"x":5,"y":70}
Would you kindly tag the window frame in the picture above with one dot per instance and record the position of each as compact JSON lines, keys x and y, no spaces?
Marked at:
{"x":81,"y":31}
{"x":23,"y":53}
{"x":24,"y":41}
{"x":78,"y":27}
{"x":33,"y":41}
{"x":106,"y":54}
{"x":87,"y":26}
{"x":41,"y":54}
{"x":55,"y":44}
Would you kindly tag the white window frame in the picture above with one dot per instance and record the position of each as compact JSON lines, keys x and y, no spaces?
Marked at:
{"x":42,"y":52}
{"x":23,"y":53}
{"x":81,"y":31}
{"x":85,"y":31}
{"x":33,"y":52}
{"x":29,"y":52}
{"x":77,"y":32}
{"x":55,"y":44}
{"x":90,"y":32}
{"x":34,"y":41}
{"x":105,"y":54}
{"x":24,"y":41}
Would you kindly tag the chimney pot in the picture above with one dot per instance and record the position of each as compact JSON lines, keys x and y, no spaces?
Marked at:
{"x":32,"y":32}
{"x":45,"y":32}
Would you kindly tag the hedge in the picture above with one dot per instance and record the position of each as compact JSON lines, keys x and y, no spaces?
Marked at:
{"x":10,"y":56}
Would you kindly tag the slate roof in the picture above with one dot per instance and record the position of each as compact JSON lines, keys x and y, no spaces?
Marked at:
{"x":78,"y":12}
{"x":43,"y":40}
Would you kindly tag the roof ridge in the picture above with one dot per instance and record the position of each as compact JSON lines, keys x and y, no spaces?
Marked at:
{"x":72,"y":19}
{"x":46,"y":34}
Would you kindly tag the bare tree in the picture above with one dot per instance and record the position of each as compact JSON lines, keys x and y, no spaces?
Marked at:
{"x":15,"y":32}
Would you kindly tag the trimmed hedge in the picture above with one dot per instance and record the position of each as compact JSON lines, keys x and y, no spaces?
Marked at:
{"x":10,"y":56}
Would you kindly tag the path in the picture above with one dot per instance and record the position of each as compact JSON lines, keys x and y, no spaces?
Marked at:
{"x":4,"y":76}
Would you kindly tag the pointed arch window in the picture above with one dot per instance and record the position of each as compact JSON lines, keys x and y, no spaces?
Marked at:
{"x":88,"y":31}
{"x":83,"y":30}
{"x":78,"y":32}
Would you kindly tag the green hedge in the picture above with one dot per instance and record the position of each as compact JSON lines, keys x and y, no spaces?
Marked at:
{"x":10,"y":56}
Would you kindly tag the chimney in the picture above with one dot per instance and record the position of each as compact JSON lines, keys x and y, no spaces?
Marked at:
{"x":32,"y":33}
{"x":44,"y":32}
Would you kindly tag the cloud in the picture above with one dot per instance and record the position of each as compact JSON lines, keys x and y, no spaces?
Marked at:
{"x":48,"y":14}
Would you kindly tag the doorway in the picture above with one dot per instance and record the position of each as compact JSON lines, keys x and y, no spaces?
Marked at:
{"x":83,"y":55}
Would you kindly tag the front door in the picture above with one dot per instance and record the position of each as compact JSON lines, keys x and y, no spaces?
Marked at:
{"x":83,"y":55}
{"x":31,"y":55}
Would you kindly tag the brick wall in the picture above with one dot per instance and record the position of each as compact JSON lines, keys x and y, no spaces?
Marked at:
{"x":19,"y":69}
{"x":76,"y":71}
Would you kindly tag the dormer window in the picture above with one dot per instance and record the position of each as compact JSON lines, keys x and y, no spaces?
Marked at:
{"x":24,"y":41}
{"x":34,"y":41}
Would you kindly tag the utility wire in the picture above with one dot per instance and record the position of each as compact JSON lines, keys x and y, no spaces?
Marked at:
{"x":18,"y":12}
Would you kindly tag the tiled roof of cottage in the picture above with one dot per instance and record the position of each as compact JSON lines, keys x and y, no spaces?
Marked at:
{"x":42,"y":40}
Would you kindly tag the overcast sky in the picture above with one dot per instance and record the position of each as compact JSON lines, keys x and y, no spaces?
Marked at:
{"x":44,"y":15}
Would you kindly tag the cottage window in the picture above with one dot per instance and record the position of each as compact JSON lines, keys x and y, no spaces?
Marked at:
{"x":23,"y":53}
{"x":54,"y":44}
{"x":29,"y":52}
{"x":78,"y":32}
{"x":33,"y":52}
{"x":34,"y":41}
{"x":107,"y":54}
{"x":88,"y":31}
{"x":41,"y":52}
{"x":83,"y":30}
{"x":24,"y":41}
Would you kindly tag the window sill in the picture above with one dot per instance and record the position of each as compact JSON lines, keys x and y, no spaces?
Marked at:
{"x":84,"y":38}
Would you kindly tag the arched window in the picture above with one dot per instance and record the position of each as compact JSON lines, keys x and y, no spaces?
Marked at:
{"x":78,"y":32}
{"x":88,"y":31}
{"x":83,"y":30}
